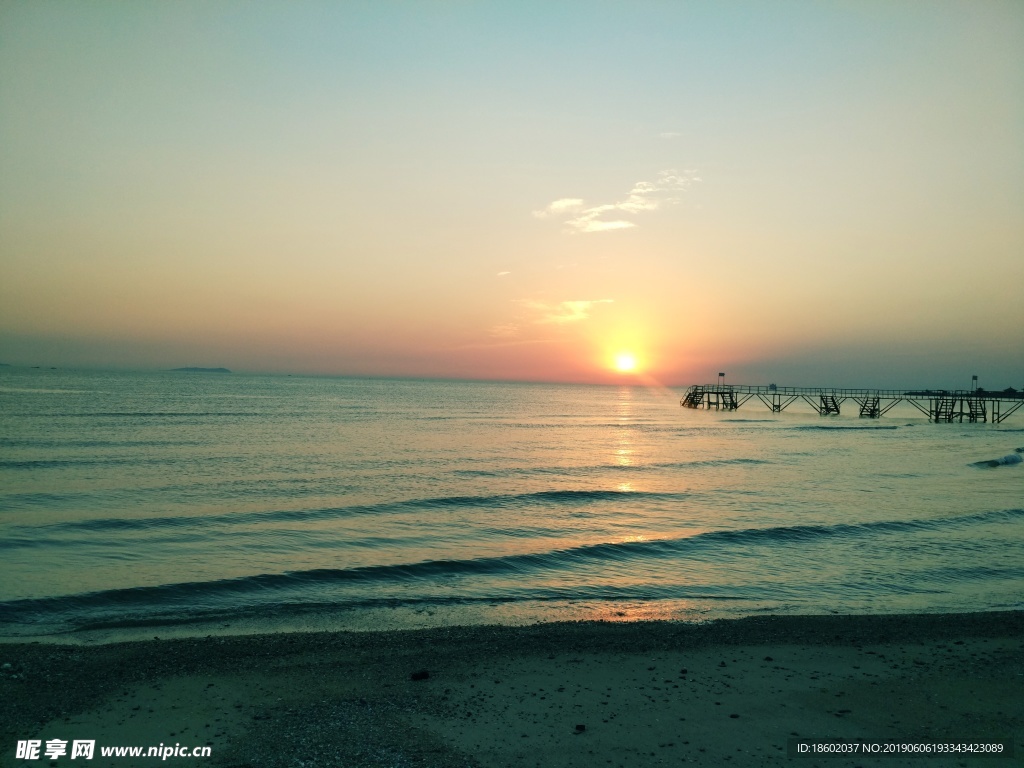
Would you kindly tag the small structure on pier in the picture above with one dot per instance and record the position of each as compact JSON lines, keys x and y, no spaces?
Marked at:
{"x":939,"y":405}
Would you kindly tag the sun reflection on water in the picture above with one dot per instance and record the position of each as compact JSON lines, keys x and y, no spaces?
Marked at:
{"x":624,"y":411}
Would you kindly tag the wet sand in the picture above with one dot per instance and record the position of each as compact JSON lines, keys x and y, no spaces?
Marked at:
{"x":572,"y":694}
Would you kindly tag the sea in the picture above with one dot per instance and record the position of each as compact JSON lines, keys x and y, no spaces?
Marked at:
{"x":173,"y":502}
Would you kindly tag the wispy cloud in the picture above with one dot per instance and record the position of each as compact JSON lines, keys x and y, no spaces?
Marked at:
{"x":665,"y":190}
{"x":533,"y":316}
{"x":669,"y":135}
{"x":502,"y":274}
{"x":560,"y":208}
{"x":590,"y":220}
{"x":562,"y":312}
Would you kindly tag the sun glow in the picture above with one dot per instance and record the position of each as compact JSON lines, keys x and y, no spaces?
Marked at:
{"x":625,"y":362}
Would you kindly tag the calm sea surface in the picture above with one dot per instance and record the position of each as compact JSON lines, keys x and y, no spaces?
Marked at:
{"x":141,"y":499}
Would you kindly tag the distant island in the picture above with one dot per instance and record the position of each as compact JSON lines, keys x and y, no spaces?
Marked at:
{"x":202,"y":370}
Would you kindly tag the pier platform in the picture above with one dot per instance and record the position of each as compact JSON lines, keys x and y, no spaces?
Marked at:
{"x":939,"y":405}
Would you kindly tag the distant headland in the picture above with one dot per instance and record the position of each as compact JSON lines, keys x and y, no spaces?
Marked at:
{"x":202,"y":370}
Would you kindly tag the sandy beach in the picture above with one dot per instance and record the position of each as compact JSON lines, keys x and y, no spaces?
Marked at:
{"x":570,"y":694}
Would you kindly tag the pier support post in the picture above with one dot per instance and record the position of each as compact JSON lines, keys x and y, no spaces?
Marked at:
{"x":828,"y":405}
{"x":976,"y":410}
{"x":777,"y":402}
{"x":870,"y":407}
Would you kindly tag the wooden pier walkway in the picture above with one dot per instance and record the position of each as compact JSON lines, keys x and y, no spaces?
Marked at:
{"x":939,"y":405}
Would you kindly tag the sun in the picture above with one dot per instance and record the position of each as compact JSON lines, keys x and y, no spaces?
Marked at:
{"x":625,"y":362}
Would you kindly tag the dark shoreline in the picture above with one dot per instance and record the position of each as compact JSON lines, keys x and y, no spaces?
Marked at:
{"x":49,"y":684}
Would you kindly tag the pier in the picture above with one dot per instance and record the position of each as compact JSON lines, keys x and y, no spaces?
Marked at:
{"x":939,"y":405}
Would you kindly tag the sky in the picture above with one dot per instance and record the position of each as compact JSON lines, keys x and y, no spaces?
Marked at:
{"x":804,"y":193}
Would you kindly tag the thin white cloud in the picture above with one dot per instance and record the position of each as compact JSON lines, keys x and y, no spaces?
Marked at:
{"x":559,"y":208}
{"x":563,"y":312}
{"x":665,"y":190}
{"x":502,"y":274}
{"x":669,"y":135}
{"x":590,"y":223}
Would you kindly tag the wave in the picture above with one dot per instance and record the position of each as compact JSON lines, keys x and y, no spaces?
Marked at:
{"x":111,"y":461}
{"x":594,"y":469}
{"x":1002,"y":461}
{"x":156,"y":414}
{"x":842,"y":427}
{"x":554,"y":498}
{"x":265,"y":586}
{"x":40,"y":442}
{"x":53,"y":463}
{"x":44,"y":622}
{"x":630,"y":424}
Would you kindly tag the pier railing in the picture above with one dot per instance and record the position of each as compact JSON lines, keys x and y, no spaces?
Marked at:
{"x":939,"y":405}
